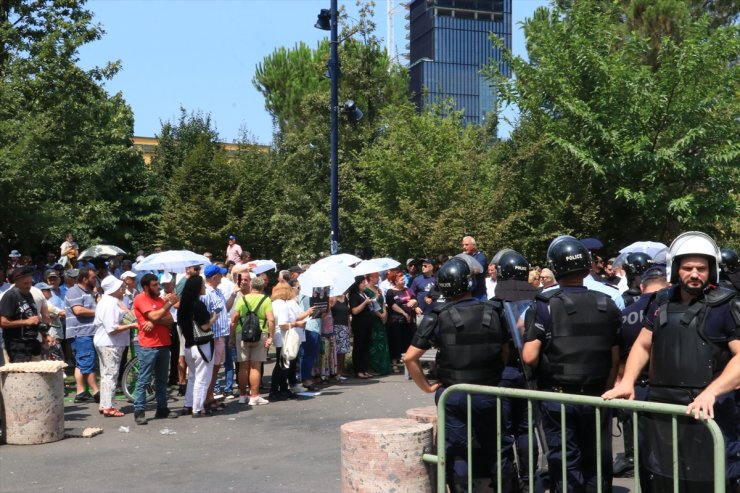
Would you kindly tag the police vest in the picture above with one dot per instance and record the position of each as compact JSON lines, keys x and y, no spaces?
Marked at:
{"x":682,"y":355}
{"x":469,"y":340}
{"x":631,"y":295}
{"x":583,"y":331}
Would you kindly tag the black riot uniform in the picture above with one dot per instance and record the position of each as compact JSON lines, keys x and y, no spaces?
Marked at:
{"x":689,"y":350}
{"x":577,"y":330}
{"x":635,"y":265}
{"x":470,"y":337}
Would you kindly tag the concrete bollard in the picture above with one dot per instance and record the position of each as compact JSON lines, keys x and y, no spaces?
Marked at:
{"x":426,"y":414}
{"x":34,"y":402}
{"x":384,"y":455}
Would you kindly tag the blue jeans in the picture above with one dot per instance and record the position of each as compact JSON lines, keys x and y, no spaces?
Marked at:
{"x":153,"y":361}
{"x":310,"y":352}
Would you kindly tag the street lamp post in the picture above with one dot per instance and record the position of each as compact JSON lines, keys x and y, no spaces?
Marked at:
{"x":334,"y":72}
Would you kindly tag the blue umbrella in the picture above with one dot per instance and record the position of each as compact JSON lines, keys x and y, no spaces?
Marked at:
{"x":592,"y":243}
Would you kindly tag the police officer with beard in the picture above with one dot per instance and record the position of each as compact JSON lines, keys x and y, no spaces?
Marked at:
{"x":471,"y":341}
{"x":572,"y":339}
{"x":692,"y":340}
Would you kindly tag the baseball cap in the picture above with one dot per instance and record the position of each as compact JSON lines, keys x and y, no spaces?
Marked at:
{"x":15,"y":254}
{"x":22,"y":272}
{"x":128,"y":273}
{"x":50,"y":273}
{"x":41,"y":285}
{"x":232,"y":237}
{"x":296,"y":269}
{"x":213,"y":269}
{"x":71,"y":273}
{"x":409,"y":261}
{"x":427,"y":261}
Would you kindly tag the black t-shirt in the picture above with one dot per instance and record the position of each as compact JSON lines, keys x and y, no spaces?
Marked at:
{"x":364,"y":319}
{"x":15,"y":305}
{"x":340,"y":312}
{"x":200,"y":316}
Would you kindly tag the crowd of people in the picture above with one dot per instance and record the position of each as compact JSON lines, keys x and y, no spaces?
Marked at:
{"x":583,"y":325}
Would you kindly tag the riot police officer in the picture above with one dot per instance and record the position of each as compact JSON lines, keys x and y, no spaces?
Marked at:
{"x":571,"y":337}
{"x":652,"y":281}
{"x":516,"y":295}
{"x":471,"y":343}
{"x":729,"y":274}
{"x":692,"y":339}
{"x":635,"y":264}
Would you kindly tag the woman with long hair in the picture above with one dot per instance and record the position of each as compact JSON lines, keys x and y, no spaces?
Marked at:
{"x":198,"y":353}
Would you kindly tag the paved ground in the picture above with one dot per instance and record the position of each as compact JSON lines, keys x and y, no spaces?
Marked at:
{"x":282,"y":447}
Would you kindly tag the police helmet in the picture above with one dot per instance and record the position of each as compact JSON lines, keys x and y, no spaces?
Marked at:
{"x":567,"y":255}
{"x":512,"y":265}
{"x":497,"y":258}
{"x":636,"y":263}
{"x":454,"y":277}
{"x":728,"y":260}
{"x":693,"y":243}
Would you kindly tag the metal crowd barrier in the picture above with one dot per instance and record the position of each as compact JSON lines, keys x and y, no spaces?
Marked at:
{"x":635,"y":407}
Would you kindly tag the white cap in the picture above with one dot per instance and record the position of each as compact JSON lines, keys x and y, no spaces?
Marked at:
{"x":128,"y":273}
{"x":110,"y":284}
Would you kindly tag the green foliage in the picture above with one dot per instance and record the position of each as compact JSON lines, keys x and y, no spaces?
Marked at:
{"x":65,"y":150}
{"x":634,"y":120}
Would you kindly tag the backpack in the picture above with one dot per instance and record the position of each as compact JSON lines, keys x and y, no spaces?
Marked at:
{"x":251,"y":326}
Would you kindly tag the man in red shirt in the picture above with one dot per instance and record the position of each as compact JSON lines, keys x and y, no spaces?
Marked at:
{"x":153,"y":315}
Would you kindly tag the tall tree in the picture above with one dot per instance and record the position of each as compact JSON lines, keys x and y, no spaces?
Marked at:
{"x":65,"y":150}
{"x":651,"y":128}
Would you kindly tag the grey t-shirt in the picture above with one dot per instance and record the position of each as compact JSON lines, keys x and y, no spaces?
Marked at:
{"x":79,"y":326}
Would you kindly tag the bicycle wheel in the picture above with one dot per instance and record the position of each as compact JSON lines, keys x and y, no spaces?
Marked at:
{"x":129,"y":379}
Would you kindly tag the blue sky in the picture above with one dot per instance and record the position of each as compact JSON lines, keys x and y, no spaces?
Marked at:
{"x":202,"y":55}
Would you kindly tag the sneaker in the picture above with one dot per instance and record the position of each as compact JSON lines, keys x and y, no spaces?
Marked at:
{"x":165,"y":413}
{"x":242,"y":399}
{"x":140,"y":418}
{"x":217,"y":394}
{"x":186,"y":410}
{"x":230,"y":397}
{"x":83,"y":397}
{"x":96,"y":397}
{"x":287,"y":394}
{"x":258,"y":401}
{"x":202,"y":414}
{"x":298,"y":388}
{"x":341,"y":378}
{"x":276,"y":396}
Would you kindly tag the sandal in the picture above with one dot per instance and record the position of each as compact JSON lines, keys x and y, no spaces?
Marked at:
{"x":113,"y":413}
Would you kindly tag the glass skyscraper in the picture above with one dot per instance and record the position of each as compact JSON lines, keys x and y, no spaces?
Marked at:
{"x":449,"y":45}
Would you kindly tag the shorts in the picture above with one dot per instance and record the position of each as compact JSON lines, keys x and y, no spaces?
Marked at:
{"x":84,"y":351}
{"x":252,"y":352}
{"x":182,"y":341}
{"x":23,"y":351}
{"x":219,"y":350}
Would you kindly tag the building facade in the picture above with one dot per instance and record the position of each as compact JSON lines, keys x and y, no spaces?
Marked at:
{"x":449,"y":45}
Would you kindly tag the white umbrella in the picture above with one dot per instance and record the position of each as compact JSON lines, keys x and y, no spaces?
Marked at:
{"x":260,"y":266}
{"x":338,"y":277}
{"x":101,"y":251}
{"x":171,"y":261}
{"x":650,"y":247}
{"x":339,"y":259}
{"x":374,"y":265}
